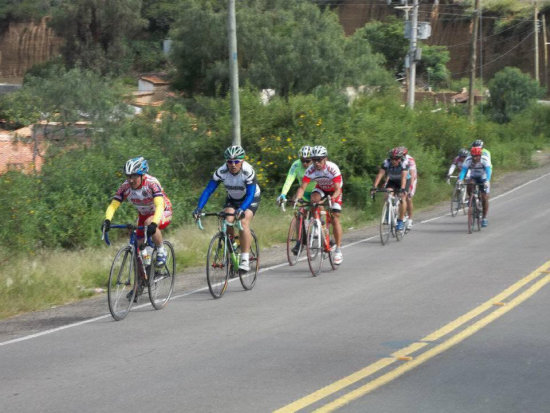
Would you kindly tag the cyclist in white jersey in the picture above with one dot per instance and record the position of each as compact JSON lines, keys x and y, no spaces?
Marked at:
{"x":329,"y":183}
{"x":410,"y":161}
{"x":243,"y":195}
{"x":480,"y":173}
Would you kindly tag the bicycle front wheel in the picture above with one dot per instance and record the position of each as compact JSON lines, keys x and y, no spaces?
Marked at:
{"x":122,"y":287}
{"x":217,"y":266}
{"x":314,"y":246}
{"x":294,"y":240}
{"x":471,"y":213}
{"x":248,"y":278}
{"x":161,"y":279}
{"x":455,"y":202}
{"x":385,"y":224}
{"x":479,"y":210}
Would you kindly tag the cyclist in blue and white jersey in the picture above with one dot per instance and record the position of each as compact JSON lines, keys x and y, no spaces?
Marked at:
{"x":243,"y":195}
{"x":480,"y":169}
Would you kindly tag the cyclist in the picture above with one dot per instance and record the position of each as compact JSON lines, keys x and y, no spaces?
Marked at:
{"x":412,"y":188}
{"x":329,"y":182}
{"x":296,"y":171}
{"x":457,"y":163}
{"x":480,"y":173}
{"x":396,"y":169}
{"x":154,"y":208}
{"x":243,"y":195}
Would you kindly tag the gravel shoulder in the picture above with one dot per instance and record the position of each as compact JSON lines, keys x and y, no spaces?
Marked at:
{"x":194,"y":278}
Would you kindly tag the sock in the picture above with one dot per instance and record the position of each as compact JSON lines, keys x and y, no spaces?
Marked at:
{"x":244,"y":256}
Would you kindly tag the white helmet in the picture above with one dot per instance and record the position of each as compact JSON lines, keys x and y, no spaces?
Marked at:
{"x":137,"y":166}
{"x":305,"y":152}
{"x":319,"y":152}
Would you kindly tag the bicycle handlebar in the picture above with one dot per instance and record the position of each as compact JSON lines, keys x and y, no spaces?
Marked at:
{"x":221,"y":214}
{"x":131,"y":227}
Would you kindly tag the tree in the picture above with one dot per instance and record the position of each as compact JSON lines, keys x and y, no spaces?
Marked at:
{"x":288,"y":45}
{"x":512,"y":92}
{"x":433,"y":67}
{"x":96,"y":32}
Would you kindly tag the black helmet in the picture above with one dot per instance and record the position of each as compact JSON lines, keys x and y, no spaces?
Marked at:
{"x":463,"y":153}
{"x":476,"y":143}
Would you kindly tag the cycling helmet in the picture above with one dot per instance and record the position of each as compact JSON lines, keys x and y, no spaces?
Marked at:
{"x":234,"y":152}
{"x":397,"y":152}
{"x":137,"y":166}
{"x":463,"y":153}
{"x":403,"y":149}
{"x":305,"y":152}
{"x":319,"y":152}
{"x":476,"y":151}
{"x":476,"y":143}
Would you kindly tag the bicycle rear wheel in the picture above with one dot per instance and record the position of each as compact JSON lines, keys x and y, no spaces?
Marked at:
{"x":161,"y":279}
{"x":248,"y":278}
{"x":122,"y":286}
{"x":217,"y":266}
{"x":314,"y":246}
{"x":471,"y":213}
{"x":294,"y":239}
{"x":385,"y":224}
{"x":479,"y":210}
{"x":330,"y":252}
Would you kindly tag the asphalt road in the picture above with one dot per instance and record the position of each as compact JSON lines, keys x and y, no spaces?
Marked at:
{"x":442,"y":321}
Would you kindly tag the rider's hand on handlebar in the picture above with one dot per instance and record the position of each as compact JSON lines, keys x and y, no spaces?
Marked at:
{"x":106,"y":226}
{"x":448,"y":180}
{"x":239,"y":214}
{"x":459,"y":182}
{"x":197,"y":213}
{"x":281,"y":199}
{"x":151,"y":229}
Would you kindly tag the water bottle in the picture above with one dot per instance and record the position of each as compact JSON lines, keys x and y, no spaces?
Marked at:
{"x":323,"y":218}
{"x":146,"y":255}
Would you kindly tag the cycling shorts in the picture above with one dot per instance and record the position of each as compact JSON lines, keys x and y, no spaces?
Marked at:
{"x":396,"y":185}
{"x":336,"y":203}
{"x":165,"y":220}
{"x":480,"y":181}
{"x":236,"y":203}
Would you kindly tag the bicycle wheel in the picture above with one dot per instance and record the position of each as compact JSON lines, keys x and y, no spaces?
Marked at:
{"x":248,"y":279}
{"x":455,"y":202}
{"x":122,"y":286}
{"x":479,"y":210}
{"x":217,"y":266}
{"x":330,"y":252}
{"x":161,"y":279}
{"x":385,"y":224}
{"x":471,"y":213}
{"x":463,"y":201}
{"x":314,"y":246}
{"x":294,"y":239}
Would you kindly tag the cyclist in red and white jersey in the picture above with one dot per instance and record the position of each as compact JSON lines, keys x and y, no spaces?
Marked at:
{"x":409,"y":160}
{"x":457,"y":163}
{"x":146,"y":194}
{"x":329,"y":183}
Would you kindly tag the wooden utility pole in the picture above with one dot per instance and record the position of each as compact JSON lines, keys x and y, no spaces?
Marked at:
{"x":413,"y":55}
{"x":545,"y":40}
{"x":234,"y":73}
{"x":536,"y":31}
{"x":473,"y":56}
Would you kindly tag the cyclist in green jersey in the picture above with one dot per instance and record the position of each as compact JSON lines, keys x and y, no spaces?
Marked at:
{"x":297,"y":171}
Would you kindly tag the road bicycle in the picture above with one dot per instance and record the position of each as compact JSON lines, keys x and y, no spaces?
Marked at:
{"x":475,"y":208}
{"x":129,"y":275}
{"x":458,"y":198}
{"x":296,"y":239}
{"x":319,"y":244}
{"x":388,"y":219}
{"x":224,"y":252}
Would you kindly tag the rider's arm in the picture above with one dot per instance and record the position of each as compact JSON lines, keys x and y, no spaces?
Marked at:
{"x":338,"y":185}
{"x":289,"y":180}
{"x":113,"y":206}
{"x":300,"y":192}
{"x":489,"y":172}
{"x":249,"y":197}
{"x":451,"y":169}
{"x":159,"y":209}
{"x":404,"y":174}
{"x":379,"y":177}
{"x":209,"y":190}
{"x":462,"y":173}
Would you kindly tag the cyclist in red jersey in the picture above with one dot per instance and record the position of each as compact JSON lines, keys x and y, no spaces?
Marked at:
{"x":329,"y":183}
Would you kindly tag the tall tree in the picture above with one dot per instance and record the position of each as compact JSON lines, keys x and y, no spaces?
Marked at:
{"x":96,"y":32}
{"x":288,"y":45}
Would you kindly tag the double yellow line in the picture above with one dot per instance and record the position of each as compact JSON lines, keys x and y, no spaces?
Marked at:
{"x":498,"y":303}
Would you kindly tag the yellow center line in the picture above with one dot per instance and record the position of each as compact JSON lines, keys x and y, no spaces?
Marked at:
{"x":402,"y":353}
{"x":459,"y":337}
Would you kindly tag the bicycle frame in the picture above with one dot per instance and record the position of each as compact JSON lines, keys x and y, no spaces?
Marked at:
{"x":388,"y":219}
{"x":297,"y":231}
{"x":475,"y":208}
{"x":458,"y":198}
{"x":318,"y":236}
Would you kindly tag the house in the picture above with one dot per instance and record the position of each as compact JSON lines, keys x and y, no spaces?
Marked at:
{"x":20,"y":152}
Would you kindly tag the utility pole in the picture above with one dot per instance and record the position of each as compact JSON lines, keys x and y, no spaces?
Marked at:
{"x":412,"y":55}
{"x":545,"y":41}
{"x":234,"y":73}
{"x":473,"y":55}
{"x":536,"y":30}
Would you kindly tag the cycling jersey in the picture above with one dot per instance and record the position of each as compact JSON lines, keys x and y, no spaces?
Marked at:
{"x":143,"y":197}
{"x":296,"y":171}
{"x":240,"y":187}
{"x":413,"y":173}
{"x":456,"y":164}
{"x":393,"y":172}
{"x":326,"y":179}
{"x":479,"y":171}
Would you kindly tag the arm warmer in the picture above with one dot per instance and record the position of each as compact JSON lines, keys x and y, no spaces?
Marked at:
{"x":288,"y":183}
{"x":250,"y":190}
{"x":209,"y":190}
{"x":489,"y":172}
{"x":159,"y":209}
{"x":113,"y":206}
{"x":462,"y":173}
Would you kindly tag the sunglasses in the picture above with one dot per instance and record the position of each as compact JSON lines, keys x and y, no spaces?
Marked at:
{"x":317,"y":160}
{"x":395,"y":159}
{"x":234,"y":161}
{"x":305,"y":160}
{"x":135,"y":176}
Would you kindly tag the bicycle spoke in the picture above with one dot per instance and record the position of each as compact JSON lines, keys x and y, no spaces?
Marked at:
{"x":217,"y":266}
{"x":121,"y":288}
{"x":161,"y":279}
